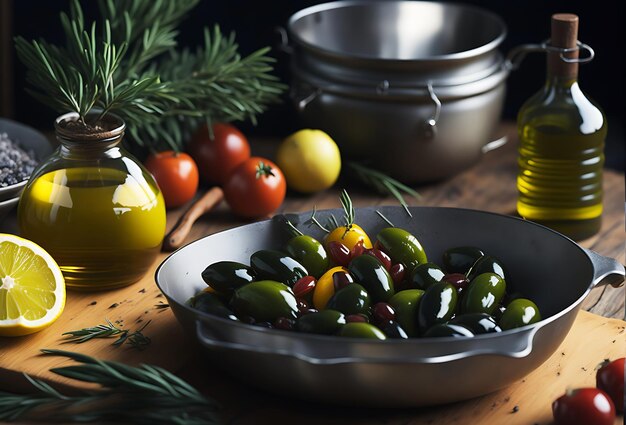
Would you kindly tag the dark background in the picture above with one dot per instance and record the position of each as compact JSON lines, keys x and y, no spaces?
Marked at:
{"x":601,"y":26}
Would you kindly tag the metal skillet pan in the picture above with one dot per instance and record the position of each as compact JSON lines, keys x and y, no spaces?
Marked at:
{"x":542,"y":264}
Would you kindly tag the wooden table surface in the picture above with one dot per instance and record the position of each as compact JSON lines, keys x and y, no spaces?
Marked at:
{"x":489,"y":186}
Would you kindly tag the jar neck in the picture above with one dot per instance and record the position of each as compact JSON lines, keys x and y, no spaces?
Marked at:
{"x":89,"y":150}
{"x":80,"y":141}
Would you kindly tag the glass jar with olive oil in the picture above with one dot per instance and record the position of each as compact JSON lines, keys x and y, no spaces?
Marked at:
{"x":561,"y":152}
{"x":93,"y":207}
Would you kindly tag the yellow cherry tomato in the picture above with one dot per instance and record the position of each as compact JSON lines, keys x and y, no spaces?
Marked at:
{"x":325,"y":288}
{"x":349,"y":238}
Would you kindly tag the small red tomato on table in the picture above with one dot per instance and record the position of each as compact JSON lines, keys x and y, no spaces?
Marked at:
{"x":584,"y":406}
{"x":255,"y":188}
{"x":219,"y":155}
{"x":610,"y":379}
{"x":176,"y":174}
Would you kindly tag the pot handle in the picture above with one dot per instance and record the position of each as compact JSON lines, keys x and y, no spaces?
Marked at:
{"x":429,"y":127}
{"x":515,"y":345}
{"x":283,"y":45}
{"x":515,"y":57}
{"x":606,"y":271}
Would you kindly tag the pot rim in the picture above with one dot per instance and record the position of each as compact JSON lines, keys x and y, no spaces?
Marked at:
{"x":402,"y":91}
{"x":467,"y":54}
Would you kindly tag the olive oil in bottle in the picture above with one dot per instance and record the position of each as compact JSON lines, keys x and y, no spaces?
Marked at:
{"x":94,"y":208}
{"x":561,"y":152}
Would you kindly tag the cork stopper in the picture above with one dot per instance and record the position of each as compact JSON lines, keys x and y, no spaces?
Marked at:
{"x":564,"y":34}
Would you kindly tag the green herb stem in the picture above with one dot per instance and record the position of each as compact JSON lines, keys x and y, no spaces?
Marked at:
{"x":135,"y":338}
{"x":141,"y":395}
{"x":384,"y":184}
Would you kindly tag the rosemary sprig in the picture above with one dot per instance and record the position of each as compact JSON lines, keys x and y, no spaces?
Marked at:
{"x":348,"y":208}
{"x":348,"y":211}
{"x":293,"y":230}
{"x":140,"y":395}
{"x":128,"y":64}
{"x":135,"y":338}
{"x":384,"y":184}
{"x":385,"y":219}
{"x":314,"y":221}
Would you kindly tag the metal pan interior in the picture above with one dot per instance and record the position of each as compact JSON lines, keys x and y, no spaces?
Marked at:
{"x":541,"y":264}
{"x":397,"y":30}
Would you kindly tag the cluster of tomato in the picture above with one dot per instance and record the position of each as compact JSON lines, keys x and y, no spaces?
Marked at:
{"x":594,"y":406}
{"x":253,"y":186}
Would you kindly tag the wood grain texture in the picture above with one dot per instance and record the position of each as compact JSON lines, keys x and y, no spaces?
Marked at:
{"x":129,"y":308}
{"x":489,"y":185}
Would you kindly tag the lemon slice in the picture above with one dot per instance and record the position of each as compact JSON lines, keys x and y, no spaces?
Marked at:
{"x":32,"y":288}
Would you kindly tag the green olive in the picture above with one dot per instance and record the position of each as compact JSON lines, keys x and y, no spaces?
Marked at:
{"x":406,"y":304}
{"x":325,"y":322}
{"x":226,"y":276}
{"x":459,"y":259}
{"x":437,"y":305}
{"x":310,"y":253}
{"x":424,"y":275}
{"x":361,"y":330}
{"x":448,"y":329}
{"x":520,"y":312}
{"x":368,"y":271}
{"x":211,"y":304}
{"x":265,"y":301}
{"x":275,"y":265}
{"x":478,"y":323}
{"x":402,"y":247}
{"x":352,"y":299}
{"x":483,"y":294}
{"x":486,"y":264}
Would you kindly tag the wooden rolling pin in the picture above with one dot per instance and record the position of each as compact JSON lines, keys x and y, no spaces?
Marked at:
{"x":175,"y":238}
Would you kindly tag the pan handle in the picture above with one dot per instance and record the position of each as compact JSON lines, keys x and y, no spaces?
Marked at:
{"x":606,"y":271}
{"x":516,"y":345}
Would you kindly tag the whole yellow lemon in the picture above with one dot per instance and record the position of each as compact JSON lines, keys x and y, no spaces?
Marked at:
{"x":310,"y":161}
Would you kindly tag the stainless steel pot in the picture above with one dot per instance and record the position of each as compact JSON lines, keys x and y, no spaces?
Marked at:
{"x":544,"y":265}
{"x":416,"y":87}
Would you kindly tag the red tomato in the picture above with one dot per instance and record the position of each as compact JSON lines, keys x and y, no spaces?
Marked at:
{"x":255,"y":188}
{"x":217,"y":157}
{"x":610,"y":379}
{"x":584,"y":406}
{"x":176,"y":174}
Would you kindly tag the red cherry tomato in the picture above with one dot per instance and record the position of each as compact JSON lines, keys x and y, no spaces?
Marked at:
{"x":217,"y":157}
{"x":176,"y":174}
{"x":610,"y":379}
{"x":255,"y":188}
{"x":584,"y":406}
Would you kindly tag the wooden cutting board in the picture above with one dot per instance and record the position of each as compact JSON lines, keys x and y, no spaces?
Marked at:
{"x":129,"y":307}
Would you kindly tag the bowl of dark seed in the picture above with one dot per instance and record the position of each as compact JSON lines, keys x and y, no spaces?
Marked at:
{"x":21,"y":149}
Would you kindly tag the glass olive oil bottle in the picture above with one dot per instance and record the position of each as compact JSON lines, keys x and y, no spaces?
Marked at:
{"x":95,"y":209}
{"x":561,"y":152}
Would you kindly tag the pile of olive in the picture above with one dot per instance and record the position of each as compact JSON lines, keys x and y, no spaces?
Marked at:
{"x":349,"y":287}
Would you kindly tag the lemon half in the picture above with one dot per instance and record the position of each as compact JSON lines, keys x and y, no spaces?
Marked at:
{"x":32,"y":288}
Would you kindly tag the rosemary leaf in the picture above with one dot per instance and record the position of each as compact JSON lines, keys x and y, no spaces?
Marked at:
{"x":135,"y":338}
{"x":141,"y":395}
{"x":384,"y":184}
{"x":128,"y":64}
